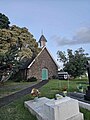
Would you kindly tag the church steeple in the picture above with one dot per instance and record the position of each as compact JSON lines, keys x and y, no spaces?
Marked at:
{"x":42,"y":41}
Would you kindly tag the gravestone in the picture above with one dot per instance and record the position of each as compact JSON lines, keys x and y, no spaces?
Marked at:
{"x":65,"y":108}
{"x":87,"y":96}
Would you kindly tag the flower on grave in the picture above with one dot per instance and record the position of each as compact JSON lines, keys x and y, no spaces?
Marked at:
{"x":65,"y":91}
{"x":35,"y":92}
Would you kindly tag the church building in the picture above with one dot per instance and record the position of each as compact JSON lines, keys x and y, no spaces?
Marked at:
{"x":43,"y":67}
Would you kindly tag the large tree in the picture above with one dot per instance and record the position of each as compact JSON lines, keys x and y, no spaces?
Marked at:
{"x":4,"y":21}
{"x":20,"y":38}
{"x":17,"y":45}
{"x":73,"y":62}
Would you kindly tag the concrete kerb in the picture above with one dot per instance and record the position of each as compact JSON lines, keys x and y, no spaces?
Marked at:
{"x":84,"y":105}
{"x":80,"y":97}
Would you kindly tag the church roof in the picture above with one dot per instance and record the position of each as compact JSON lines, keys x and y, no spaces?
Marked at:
{"x":42,"y":38}
{"x":39,"y":55}
{"x":30,"y":62}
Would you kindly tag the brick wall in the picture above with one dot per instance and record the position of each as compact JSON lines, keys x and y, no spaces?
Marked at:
{"x":44,"y":60}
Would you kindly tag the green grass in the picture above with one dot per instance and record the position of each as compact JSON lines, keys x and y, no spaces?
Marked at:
{"x":86,"y":113}
{"x":11,"y":87}
{"x":56,"y":86}
{"x":17,"y":111}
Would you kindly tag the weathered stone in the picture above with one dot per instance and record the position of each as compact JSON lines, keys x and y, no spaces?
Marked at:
{"x":43,"y":60}
{"x":50,"y":109}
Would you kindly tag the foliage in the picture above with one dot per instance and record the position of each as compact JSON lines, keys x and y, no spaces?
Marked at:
{"x":16,"y":46}
{"x":73,"y":62}
{"x":21,"y":38}
{"x":54,"y":77}
{"x":32,"y":79}
{"x":4,"y":21}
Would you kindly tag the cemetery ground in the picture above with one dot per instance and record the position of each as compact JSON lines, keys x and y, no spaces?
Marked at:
{"x":17,"y":111}
{"x":11,"y":87}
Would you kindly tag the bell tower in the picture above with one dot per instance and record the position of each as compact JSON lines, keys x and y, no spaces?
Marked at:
{"x":42,"y":41}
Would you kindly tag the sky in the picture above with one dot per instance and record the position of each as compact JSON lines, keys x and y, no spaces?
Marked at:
{"x":65,"y":23}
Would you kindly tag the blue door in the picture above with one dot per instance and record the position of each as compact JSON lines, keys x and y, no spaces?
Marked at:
{"x":44,"y":74}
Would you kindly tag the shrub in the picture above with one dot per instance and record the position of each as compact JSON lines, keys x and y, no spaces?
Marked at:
{"x":32,"y":79}
{"x":54,"y":77}
{"x":18,"y":79}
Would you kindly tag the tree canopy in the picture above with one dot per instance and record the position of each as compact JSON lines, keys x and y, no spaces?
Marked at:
{"x":16,"y":46}
{"x":73,"y":62}
{"x":4,"y":21}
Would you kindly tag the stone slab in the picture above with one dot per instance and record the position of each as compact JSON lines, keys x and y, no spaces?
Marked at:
{"x":50,"y":109}
{"x":84,"y":105}
{"x":36,"y":107}
{"x":62,"y":109}
{"x":77,"y":117}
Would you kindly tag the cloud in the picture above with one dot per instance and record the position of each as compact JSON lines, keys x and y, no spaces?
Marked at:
{"x":82,"y":37}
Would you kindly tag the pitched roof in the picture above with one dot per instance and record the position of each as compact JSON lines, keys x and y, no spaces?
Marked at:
{"x":39,"y":55}
{"x":25,"y":64}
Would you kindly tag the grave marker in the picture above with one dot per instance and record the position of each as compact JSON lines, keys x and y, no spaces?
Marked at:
{"x":87,"y":96}
{"x":65,"y":108}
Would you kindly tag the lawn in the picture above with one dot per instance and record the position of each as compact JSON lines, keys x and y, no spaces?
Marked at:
{"x":17,"y":111}
{"x":57,"y":86}
{"x":10,"y":87}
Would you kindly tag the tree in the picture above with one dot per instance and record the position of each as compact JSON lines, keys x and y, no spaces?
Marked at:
{"x":17,"y":45}
{"x":4,"y":21}
{"x":8,"y":64}
{"x":20,"y":38}
{"x":73,"y":62}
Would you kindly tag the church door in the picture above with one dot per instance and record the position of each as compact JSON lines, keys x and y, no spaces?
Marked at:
{"x":44,"y":74}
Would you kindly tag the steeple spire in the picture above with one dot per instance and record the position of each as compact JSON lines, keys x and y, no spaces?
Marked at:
{"x":42,"y":32}
{"x":42,"y":40}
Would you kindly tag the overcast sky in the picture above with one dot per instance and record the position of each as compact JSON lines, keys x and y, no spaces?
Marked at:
{"x":65,"y":23}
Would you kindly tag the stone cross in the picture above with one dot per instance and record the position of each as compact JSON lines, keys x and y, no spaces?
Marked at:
{"x":88,"y":70}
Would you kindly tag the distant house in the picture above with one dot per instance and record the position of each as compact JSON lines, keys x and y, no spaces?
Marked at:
{"x":43,"y":66}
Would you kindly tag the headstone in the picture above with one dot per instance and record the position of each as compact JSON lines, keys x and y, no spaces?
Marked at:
{"x":87,"y":96}
{"x":50,"y":109}
{"x":88,"y":70}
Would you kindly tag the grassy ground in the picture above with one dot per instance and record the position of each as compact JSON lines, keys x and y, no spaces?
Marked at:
{"x":10,"y":87}
{"x":56,"y":86}
{"x":17,"y":111}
